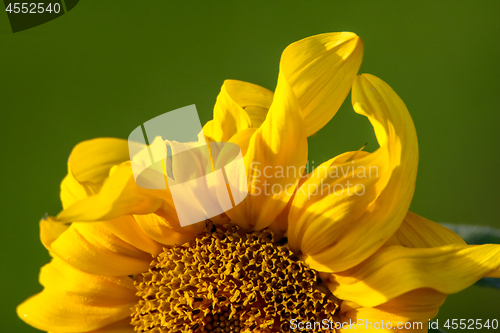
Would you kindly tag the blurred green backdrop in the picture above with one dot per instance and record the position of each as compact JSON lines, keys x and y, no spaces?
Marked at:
{"x":108,"y":66}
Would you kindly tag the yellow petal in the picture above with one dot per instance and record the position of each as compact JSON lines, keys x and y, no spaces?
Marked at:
{"x":395,"y":270}
{"x":208,"y":130}
{"x":93,"y":248}
{"x":240,"y":105}
{"x":74,"y":301}
{"x":350,"y":206}
{"x":59,"y":276}
{"x":417,"y":231}
{"x":73,"y":191}
{"x":50,"y":230}
{"x":254,"y":99}
{"x":89,"y":165}
{"x":412,"y":309}
{"x":320,"y":70}
{"x":90,"y":161}
{"x":159,"y":229}
{"x":120,"y":196}
{"x":278,"y":145}
{"x":128,"y":229}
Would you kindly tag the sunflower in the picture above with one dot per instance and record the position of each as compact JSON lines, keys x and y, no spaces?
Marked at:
{"x":317,"y":251}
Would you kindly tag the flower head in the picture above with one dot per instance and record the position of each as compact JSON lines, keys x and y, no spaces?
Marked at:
{"x":334,"y":245}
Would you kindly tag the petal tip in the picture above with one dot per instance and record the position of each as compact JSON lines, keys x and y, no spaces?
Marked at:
{"x":350,"y":44}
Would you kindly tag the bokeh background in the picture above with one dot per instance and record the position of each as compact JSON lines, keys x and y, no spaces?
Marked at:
{"x":108,"y":66}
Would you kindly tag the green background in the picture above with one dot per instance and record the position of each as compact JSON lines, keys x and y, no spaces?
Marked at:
{"x":108,"y":66}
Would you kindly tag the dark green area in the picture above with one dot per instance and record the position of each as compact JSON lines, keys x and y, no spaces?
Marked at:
{"x":29,"y":14}
{"x":108,"y":66}
{"x":70,"y":4}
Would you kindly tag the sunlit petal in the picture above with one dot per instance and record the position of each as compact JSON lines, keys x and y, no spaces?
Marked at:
{"x":358,"y":199}
{"x":278,"y":144}
{"x":240,"y":105}
{"x":74,"y":301}
{"x":320,"y":70}
{"x":93,"y":248}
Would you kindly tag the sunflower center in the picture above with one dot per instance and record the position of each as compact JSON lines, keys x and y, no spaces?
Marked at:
{"x":228,"y":280}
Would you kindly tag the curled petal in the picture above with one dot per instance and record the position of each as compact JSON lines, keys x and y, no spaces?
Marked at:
{"x":73,"y":191}
{"x":50,"y":230}
{"x":280,"y":142}
{"x":320,"y":70}
{"x":89,"y":195}
{"x":136,"y":187}
{"x":89,"y":165}
{"x":240,"y":105}
{"x":118,"y":199}
{"x":358,"y":199}
{"x":91,"y":160}
{"x":120,"y":196}
{"x":74,"y":301}
{"x":254,"y":99}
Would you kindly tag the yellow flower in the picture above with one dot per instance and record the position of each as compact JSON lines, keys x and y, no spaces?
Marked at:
{"x":337,"y":244}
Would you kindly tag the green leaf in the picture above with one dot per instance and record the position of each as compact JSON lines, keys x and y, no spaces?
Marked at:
{"x":477,"y":235}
